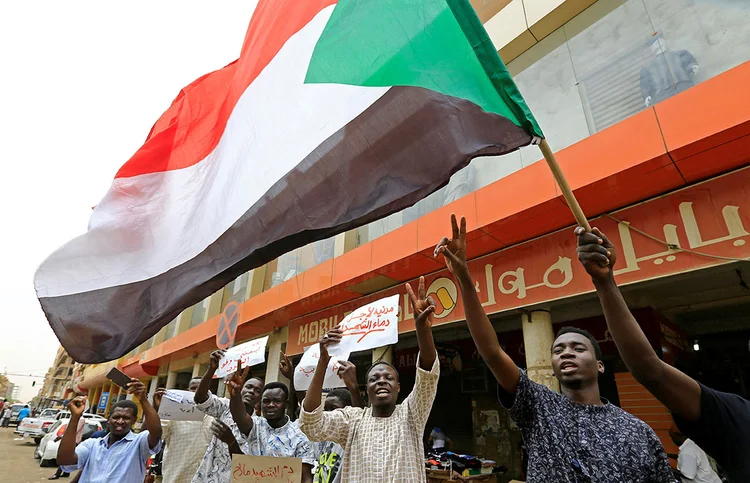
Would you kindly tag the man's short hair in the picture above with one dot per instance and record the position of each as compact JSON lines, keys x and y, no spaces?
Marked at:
{"x":586,"y":334}
{"x":342,"y":395}
{"x":125,"y":404}
{"x":277,"y":385}
{"x":257,"y":378}
{"x":381,"y":363}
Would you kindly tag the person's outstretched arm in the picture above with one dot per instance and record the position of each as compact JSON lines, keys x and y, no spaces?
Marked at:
{"x":676,"y":390}
{"x":66,"y":452}
{"x":315,"y":391}
{"x":236,"y":404}
{"x":480,"y":327}
{"x":201,"y":394}
{"x":348,"y":373}
{"x":150,"y":415}
{"x":424,"y":310}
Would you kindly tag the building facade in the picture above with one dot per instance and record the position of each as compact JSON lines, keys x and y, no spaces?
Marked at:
{"x":57,"y":387}
{"x":644,"y":103}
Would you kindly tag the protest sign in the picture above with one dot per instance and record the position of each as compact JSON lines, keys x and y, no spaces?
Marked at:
{"x":249,"y":354}
{"x":304,"y":371}
{"x":266,"y":469}
{"x":374,"y":325}
{"x":178,"y":405}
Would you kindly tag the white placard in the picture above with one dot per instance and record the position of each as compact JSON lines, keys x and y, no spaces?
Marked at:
{"x":249,"y":354}
{"x":374,"y":325}
{"x":178,"y":405}
{"x":304,"y":371}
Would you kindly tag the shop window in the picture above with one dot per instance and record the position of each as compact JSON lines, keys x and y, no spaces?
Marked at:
{"x":199,"y":313}
{"x":474,"y":379}
{"x":236,"y":290}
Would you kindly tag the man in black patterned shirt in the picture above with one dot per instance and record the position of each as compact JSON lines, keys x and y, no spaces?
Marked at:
{"x":575,"y":436}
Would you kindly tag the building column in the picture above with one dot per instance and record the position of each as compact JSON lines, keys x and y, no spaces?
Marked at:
{"x":383,"y":354}
{"x":537,"y":341}
{"x":171,"y":379}
{"x":152,"y":387}
{"x":275,"y":343}
{"x":196,"y":369}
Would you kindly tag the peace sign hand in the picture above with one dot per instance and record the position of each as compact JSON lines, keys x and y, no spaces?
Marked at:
{"x":423,"y":306}
{"x":235,"y":381}
{"x":285,"y":366}
{"x":454,"y":250}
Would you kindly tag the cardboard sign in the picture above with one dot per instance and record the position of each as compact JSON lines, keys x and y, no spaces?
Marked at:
{"x":249,"y":354}
{"x":374,"y":325}
{"x":305,"y":370}
{"x":228,"y":326}
{"x":178,"y":405}
{"x":266,"y":469}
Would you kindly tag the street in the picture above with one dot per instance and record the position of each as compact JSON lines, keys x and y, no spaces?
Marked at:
{"x":17,"y":463}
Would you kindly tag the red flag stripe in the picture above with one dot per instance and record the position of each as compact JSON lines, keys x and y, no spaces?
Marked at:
{"x":192,"y":126}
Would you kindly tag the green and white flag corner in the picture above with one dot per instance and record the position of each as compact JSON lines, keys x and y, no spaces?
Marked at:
{"x":336,"y":114}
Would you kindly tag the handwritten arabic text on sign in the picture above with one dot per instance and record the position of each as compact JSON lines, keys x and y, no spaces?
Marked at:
{"x":266,"y":469}
{"x":374,"y":325}
{"x":305,"y":370}
{"x":178,"y":405}
{"x":249,"y":354}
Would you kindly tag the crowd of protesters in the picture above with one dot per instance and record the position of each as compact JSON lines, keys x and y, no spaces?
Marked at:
{"x":571,"y":436}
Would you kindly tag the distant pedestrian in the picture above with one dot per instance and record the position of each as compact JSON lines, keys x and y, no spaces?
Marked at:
{"x":692,"y":462}
{"x":7,"y":412}
{"x":23,"y":414}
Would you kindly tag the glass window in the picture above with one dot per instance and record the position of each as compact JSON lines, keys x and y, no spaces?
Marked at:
{"x":297,"y":261}
{"x":199,"y":313}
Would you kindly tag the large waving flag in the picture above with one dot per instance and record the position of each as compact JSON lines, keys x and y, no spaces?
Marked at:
{"x":336,"y":114}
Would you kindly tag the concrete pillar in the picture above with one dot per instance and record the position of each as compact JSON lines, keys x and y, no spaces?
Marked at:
{"x":537,"y":341}
{"x":196,"y":369}
{"x":152,"y":387}
{"x":384,"y":354}
{"x":275,"y":343}
{"x":171,"y":379}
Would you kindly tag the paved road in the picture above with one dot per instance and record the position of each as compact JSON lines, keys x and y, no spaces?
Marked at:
{"x":17,"y":463}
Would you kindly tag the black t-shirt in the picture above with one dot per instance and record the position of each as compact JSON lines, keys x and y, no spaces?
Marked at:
{"x":723,"y":431}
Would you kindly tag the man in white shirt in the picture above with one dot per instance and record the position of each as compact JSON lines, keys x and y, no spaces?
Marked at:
{"x":692,"y":462}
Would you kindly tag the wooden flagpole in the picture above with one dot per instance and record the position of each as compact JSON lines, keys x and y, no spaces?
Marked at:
{"x":567,"y":193}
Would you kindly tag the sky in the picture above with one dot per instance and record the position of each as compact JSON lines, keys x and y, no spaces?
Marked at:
{"x":82,"y":83}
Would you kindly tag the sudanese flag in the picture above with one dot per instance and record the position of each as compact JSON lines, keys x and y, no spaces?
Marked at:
{"x":336,"y":114}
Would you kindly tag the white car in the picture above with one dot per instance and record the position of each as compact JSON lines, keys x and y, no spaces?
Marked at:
{"x":46,"y":452}
{"x":34,"y":427}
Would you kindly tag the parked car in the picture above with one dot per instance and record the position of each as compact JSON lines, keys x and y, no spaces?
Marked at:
{"x":34,"y":427}
{"x":14,"y":410}
{"x":46,"y":452}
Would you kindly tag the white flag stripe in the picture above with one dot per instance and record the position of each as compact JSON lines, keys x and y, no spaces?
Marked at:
{"x":184,"y":211}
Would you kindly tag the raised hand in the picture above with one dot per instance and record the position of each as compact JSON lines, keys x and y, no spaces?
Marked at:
{"x":235,"y":381}
{"x":213,"y":362}
{"x":348,"y":373}
{"x":454,"y":250}
{"x":285,"y":367}
{"x":596,"y":253}
{"x":222,"y":432}
{"x":77,"y":406}
{"x":332,"y":337}
{"x":158,"y":395}
{"x":423,"y":306}
{"x":137,"y":389}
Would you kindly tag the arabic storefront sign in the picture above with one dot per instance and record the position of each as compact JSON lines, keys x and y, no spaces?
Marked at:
{"x":711,"y":217}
